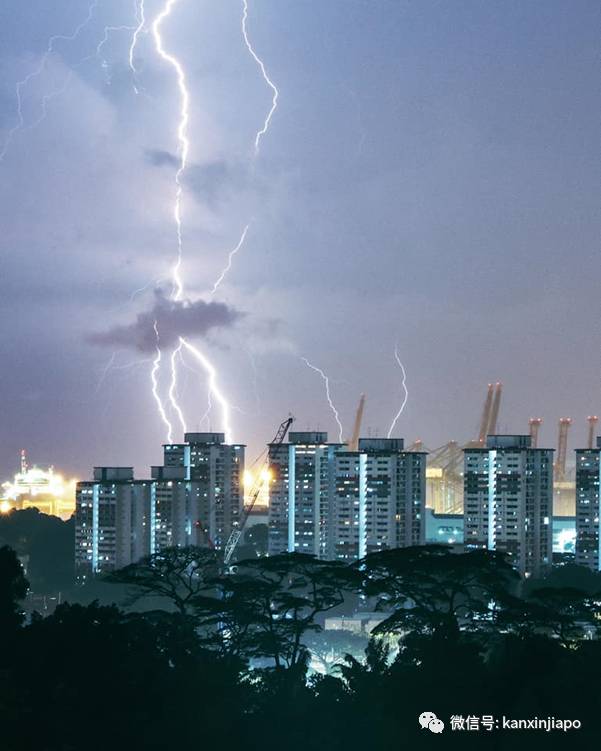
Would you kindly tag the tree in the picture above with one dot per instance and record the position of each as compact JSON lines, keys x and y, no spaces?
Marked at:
{"x":269,"y":604}
{"x":13,"y":589}
{"x":181,"y":575}
{"x":432,"y":590}
{"x":566,"y":613}
{"x":48,"y":543}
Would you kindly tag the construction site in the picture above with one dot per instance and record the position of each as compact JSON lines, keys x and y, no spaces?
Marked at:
{"x":444,"y":473}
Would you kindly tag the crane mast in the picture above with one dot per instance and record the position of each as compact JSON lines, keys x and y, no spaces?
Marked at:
{"x":562,"y":448}
{"x":353,"y":442}
{"x":236,"y":534}
{"x":494,"y":412}
{"x":485,"y":415}
{"x":534,"y":423}
{"x":592,"y":429}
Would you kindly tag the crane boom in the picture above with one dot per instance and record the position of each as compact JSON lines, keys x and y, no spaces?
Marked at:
{"x":592,"y":427}
{"x":534,"y":423}
{"x":485,"y":419}
{"x":494,"y":412}
{"x":236,"y":534}
{"x":562,"y":447}
{"x":353,"y":443}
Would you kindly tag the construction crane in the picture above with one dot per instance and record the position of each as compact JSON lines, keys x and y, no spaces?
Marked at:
{"x":236,"y":534}
{"x":534,"y":423}
{"x":205,"y":531}
{"x":494,"y":412}
{"x":592,"y":429}
{"x":353,"y":442}
{"x":490,"y":415}
{"x":562,"y":448}
{"x":485,"y":419}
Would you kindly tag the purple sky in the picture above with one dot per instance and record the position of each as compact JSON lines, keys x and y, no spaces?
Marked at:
{"x":429,"y":180}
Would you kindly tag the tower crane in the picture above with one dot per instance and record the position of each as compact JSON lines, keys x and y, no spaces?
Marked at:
{"x":592,"y":427}
{"x":236,"y":534}
{"x":353,"y":442}
{"x":485,"y":419}
{"x":562,"y":447}
{"x":534,"y":423}
{"x":494,"y":412}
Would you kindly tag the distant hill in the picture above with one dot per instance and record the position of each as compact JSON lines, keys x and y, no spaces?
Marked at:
{"x":48,"y":543}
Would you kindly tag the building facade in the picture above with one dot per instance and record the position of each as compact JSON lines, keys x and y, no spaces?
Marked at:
{"x":194,"y":498}
{"x":301,"y":476}
{"x":339,"y":504}
{"x":112,"y":521}
{"x":508,"y":501}
{"x":588,"y":532}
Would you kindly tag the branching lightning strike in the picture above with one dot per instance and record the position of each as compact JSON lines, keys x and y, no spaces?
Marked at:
{"x":134,"y":40}
{"x":105,"y":38}
{"x":268,"y":81}
{"x":230,"y":257}
{"x":184,"y":150}
{"x":155,"y":386}
{"x":326,"y":381}
{"x":20,"y":85}
{"x":404,"y":384}
{"x":213,"y":386}
{"x":173,"y":387}
{"x":182,"y":137}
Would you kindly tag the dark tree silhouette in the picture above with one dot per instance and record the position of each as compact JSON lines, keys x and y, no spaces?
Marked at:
{"x":180,"y":575}
{"x":13,"y":589}
{"x":432,"y":590}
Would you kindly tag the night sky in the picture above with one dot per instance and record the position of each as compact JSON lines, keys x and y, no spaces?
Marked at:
{"x":429,"y":180}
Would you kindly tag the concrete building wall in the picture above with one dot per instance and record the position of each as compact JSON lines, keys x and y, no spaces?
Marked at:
{"x":508,"y":501}
{"x":588,"y":530}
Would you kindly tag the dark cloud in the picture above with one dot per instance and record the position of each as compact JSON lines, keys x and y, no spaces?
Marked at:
{"x":173,"y":319}
{"x":161,"y":158}
{"x":209,"y":182}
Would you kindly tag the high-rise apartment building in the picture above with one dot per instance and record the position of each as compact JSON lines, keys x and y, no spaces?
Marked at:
{"x":112,"y":520}
{"x":378,"y":499}
{"x":588,"y":530}
{"x":194,"y":498}
{"x":340,"y":504}
{"x":508,"y":501}
{"x":215,"y":472}
{"x":299,"y":493}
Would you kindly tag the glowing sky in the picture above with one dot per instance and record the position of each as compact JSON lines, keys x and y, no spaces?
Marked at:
{"x":429,"y":181}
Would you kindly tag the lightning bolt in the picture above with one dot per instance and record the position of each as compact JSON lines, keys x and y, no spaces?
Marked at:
{"x":400,"y":412}
{"x":47,"y":98}
{"x":229,"y":260}
{"x":326,"y":381}
{"x":182,"y":137}
{"x":105,"y":38}
{"x":213,"y":387}
{"x":207,"y":414}
{"x":178,"y":287}
{"x":134,"y":40}
{"x":20,"y":85}
{"x":155,"y":386}
{"x":105,"y":371}
{"x":173,"y":387}
{"x":268,"y":81}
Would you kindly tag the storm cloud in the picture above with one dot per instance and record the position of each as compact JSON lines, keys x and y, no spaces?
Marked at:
{"x":173,"y":319}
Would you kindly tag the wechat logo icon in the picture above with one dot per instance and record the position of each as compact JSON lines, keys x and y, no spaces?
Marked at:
{"x":430,"y":720}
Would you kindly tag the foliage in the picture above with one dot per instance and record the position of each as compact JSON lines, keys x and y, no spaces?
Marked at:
{"x":47,"y":541}
{"x":224,"y":662}
{"x":13,"y":589}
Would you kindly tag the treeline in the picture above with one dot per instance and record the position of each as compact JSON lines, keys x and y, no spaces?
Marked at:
{"x":220,"y":659}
